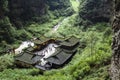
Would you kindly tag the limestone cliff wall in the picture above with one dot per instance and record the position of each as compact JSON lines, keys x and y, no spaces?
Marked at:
{"x":115,"y":65}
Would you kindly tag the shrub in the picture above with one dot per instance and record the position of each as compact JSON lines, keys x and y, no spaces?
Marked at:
{"x":6,"y":61}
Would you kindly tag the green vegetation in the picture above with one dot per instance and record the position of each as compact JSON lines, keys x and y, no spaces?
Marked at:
{"x":75,"y":4}
{"x":7,"y":31}
{"x":15,"y":17}
{"x":6,"y":61}
{"x":60,"y":7}
{"x":92,"y":11}
{"x":92,"y":60}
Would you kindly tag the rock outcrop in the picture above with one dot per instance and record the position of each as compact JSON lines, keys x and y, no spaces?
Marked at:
{"x":93,"y":11}
{"x":115,"y":66}
{"x":15,"y":14}
{"x":22,"y":11}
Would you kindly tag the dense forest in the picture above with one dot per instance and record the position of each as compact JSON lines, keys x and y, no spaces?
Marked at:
{"x":16,"y":15}
{"x":92,"y":22}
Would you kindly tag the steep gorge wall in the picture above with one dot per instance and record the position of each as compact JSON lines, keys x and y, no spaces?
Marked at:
{"x":93,"y":11}
{"x":115,"y":65}
{"x":22,"y":11}
{"x":61,"y":7}
{"x":15,"y":14}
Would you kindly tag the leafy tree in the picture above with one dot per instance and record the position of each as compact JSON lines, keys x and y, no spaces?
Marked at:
{"x":7,"y":31}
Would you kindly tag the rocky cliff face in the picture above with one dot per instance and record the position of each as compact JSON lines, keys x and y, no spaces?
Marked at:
{"x":14,"y":14}
{"x":115,"y":66}
{"x":95,"y":11}
{"x":22,"y":11}
{"x":62,"y":7}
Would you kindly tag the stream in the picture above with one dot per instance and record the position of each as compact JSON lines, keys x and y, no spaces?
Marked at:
{"x":56,"y":27}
